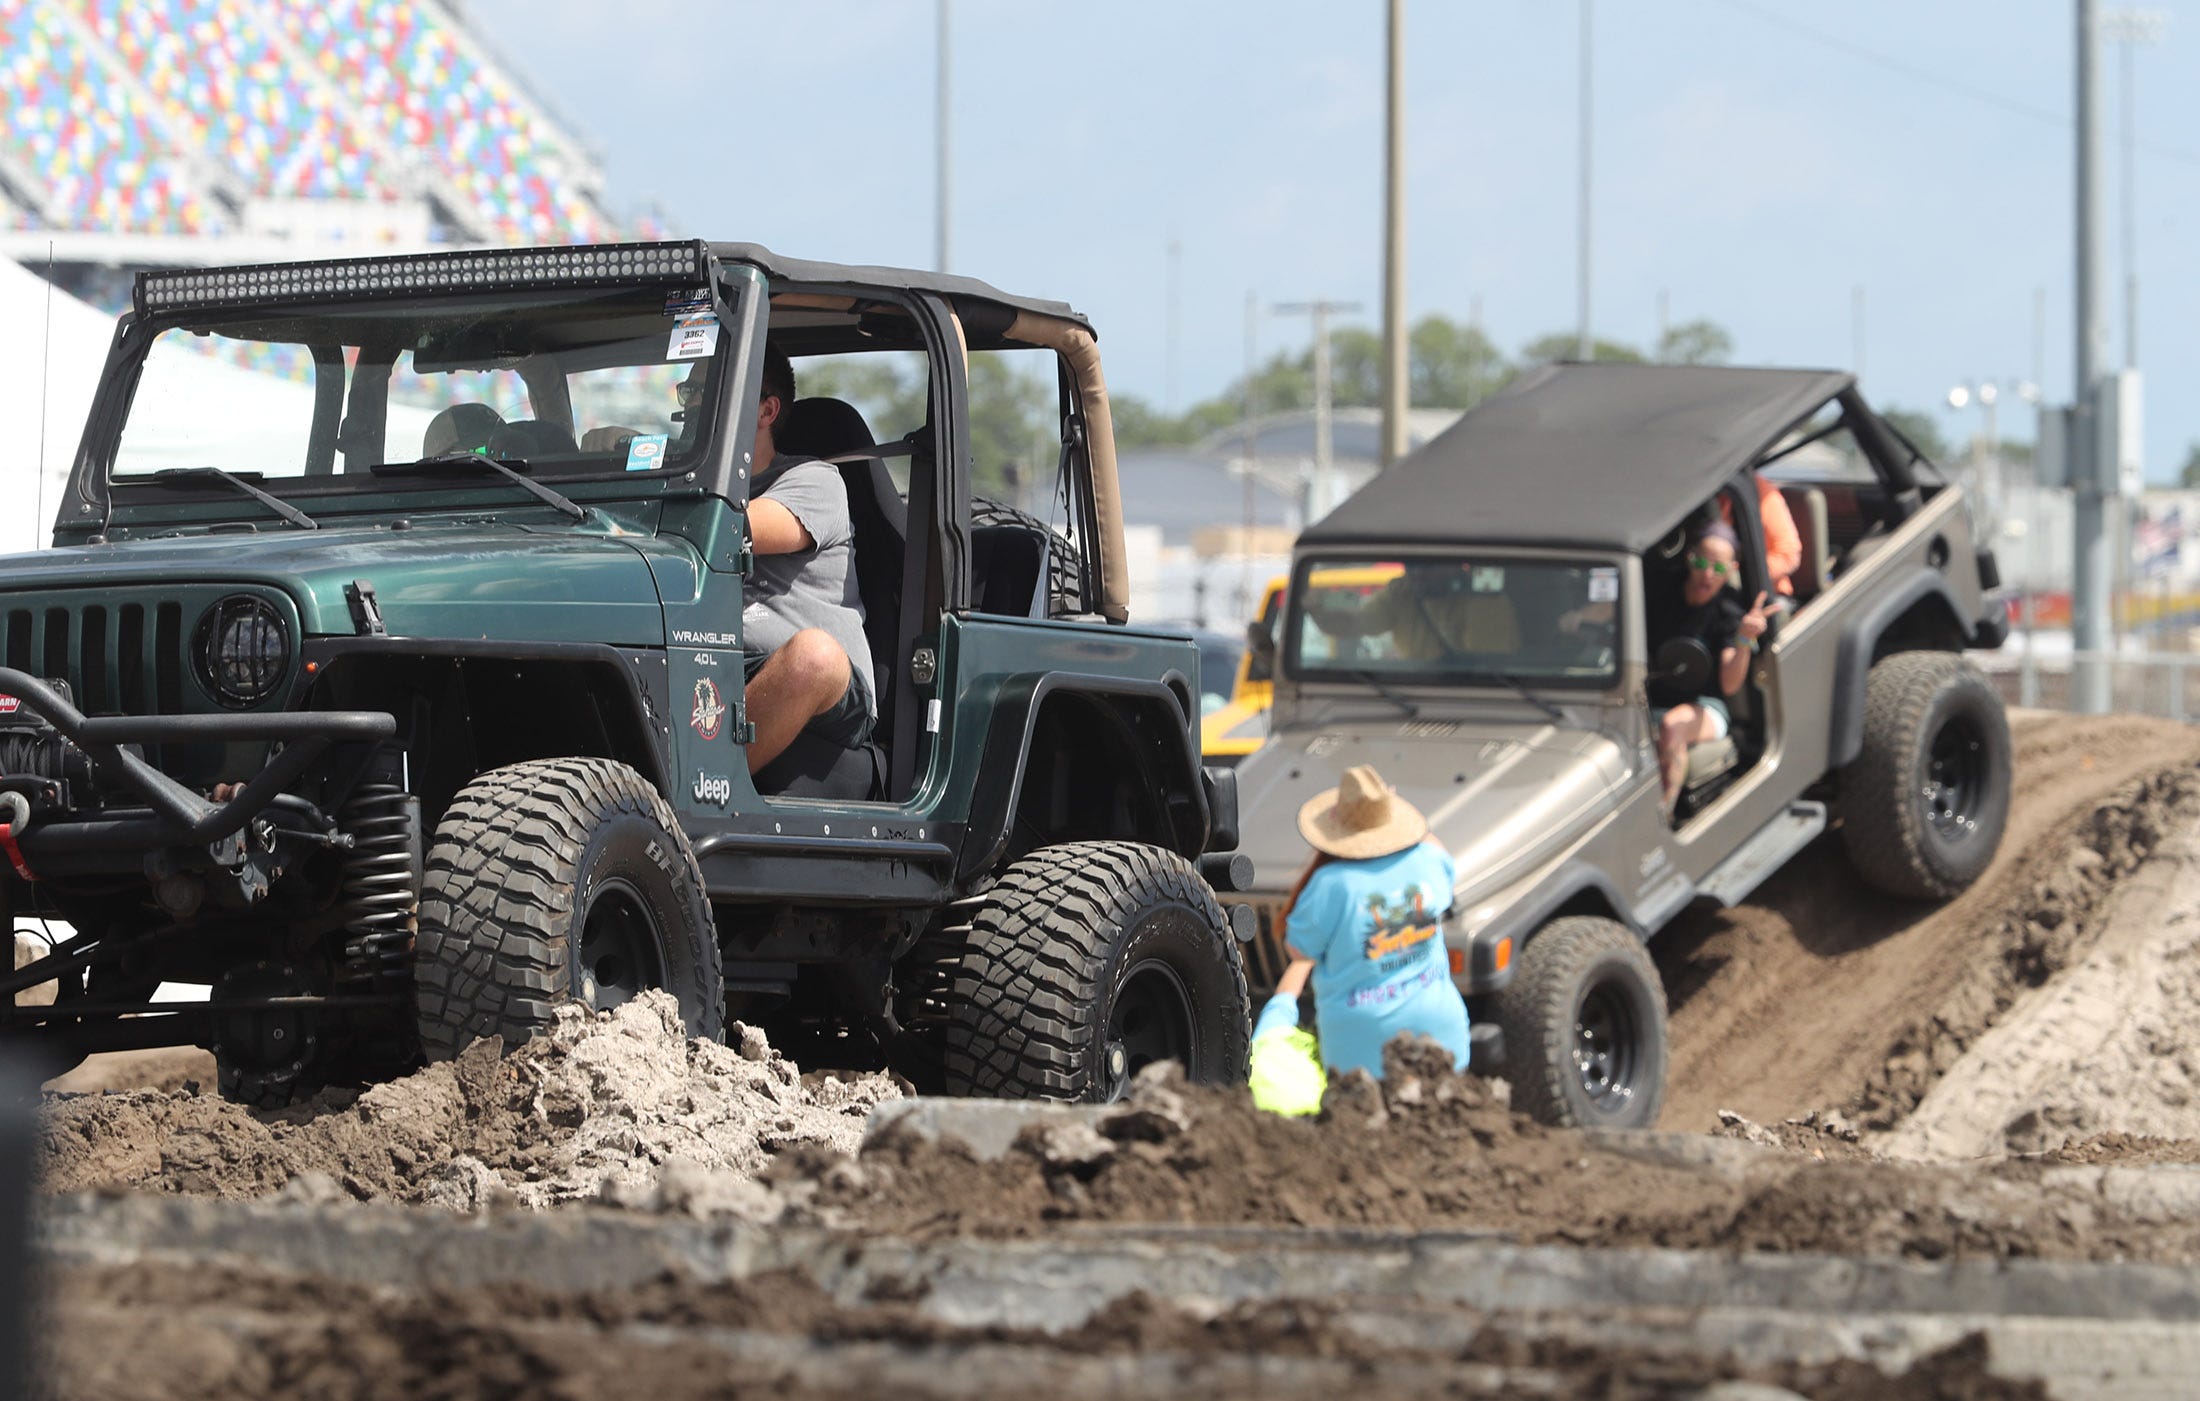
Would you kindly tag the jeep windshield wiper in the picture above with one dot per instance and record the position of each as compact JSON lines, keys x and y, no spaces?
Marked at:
{"x":1413,"y":711}
{"x":1522,"y":687}
{"x":190,"y":476}
{"x":502,"y":467}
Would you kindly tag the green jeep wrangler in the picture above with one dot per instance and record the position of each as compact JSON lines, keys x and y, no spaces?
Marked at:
{"x":406,"y":703}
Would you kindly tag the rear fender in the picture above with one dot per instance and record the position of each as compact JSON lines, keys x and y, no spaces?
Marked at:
{"x":1918,"y":611}
{"x":1072,"y":757}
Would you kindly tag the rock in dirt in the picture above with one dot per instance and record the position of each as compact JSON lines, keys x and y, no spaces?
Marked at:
{"x":619,"y":1106}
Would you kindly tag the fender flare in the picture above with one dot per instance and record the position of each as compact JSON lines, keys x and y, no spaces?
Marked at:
{"x":999,"y":789}
{"x":1570,"y":880}
{"x":1853,"y":655}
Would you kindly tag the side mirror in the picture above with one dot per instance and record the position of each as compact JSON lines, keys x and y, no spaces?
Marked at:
{"x":1685,"y":662}
{"x":1260,"y":640}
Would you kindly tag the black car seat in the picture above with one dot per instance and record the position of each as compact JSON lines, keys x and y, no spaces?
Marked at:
{"x":878,"y":520}
{"x":529,"y":438}
{"x":877,"y":515}
{"x":460,"y":428}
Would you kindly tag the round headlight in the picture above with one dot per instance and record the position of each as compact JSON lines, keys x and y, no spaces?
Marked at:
{"x":241,"y":650}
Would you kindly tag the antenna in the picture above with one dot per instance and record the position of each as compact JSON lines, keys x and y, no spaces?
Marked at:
{"x":45,"y":391}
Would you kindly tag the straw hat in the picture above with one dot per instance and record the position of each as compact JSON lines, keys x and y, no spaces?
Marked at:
{"x":1361,"y":818}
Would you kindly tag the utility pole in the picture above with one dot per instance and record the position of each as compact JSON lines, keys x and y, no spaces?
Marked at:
{"x":2129,"y":29}
{"x":2092,"y":571}
{"x":1856,"y":328}
{"x":1394,"y":242}
{"x":1168,"y":374}
{"x":1252,"y":452}
{"x":1319,"y":494}
{"x":1584,"y":343}
{"x":941,"y":159}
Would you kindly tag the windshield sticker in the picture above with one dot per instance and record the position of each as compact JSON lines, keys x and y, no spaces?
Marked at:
{"x":1487,"y":578}
{"x":1604,"y":586}
{"x":687,"y":303}
{"x":645,"y":452}
{"x":694,"y":336}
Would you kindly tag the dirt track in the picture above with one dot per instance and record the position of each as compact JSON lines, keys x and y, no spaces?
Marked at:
{"x":1822,"y":995}
{"x":2010,"y":1020}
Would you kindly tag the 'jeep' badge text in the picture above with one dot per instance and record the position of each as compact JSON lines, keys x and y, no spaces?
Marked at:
{"x":709,"y":709}
{"x":713,"y":788}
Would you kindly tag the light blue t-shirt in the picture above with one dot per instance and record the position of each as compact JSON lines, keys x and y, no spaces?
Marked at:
{"x":1380,"y":969}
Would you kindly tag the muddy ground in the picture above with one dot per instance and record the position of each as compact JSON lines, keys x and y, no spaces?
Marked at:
{"x":2012,"y":1078}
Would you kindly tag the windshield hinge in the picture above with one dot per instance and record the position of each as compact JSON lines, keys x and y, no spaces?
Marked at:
{"x":744,"y":562}
{"x":366,"y":613}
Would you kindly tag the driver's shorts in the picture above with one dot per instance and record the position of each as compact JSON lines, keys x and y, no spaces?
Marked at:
{"x":1714,"y":706}
{"x":847,"y":724}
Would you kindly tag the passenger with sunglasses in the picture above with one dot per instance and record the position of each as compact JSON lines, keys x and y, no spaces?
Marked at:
{"x":1707,"y":609}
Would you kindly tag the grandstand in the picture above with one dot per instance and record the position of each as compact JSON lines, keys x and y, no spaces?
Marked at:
{"x":163,"y":132}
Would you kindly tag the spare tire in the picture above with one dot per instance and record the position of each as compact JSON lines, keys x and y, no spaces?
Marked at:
{"x":1923,"y":806}
{"x":1083,"y":964}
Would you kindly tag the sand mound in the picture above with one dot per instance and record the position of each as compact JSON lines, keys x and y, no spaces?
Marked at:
{"x":613,"y":1105}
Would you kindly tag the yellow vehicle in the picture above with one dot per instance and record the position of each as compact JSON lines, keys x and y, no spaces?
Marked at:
{"x":1237,"y":729}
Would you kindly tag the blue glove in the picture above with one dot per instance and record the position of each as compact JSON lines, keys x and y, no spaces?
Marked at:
{"x":1281,"y":1013}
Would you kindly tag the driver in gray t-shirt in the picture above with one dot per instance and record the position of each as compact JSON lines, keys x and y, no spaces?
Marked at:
{"x":807,"y":663}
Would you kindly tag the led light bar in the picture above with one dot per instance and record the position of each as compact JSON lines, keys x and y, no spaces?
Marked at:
{"x":488,"y":269}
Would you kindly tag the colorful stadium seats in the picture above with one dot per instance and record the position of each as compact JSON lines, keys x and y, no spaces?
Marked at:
{"x":164,"y":116}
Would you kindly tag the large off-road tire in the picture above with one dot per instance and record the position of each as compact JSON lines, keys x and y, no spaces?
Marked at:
{"x":1923,"y":806}
{"x":1584,"y":1024}
{"x":560,"y":881}
{"x":1086,"y":962}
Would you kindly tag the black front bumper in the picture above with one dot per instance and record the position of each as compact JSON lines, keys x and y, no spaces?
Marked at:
{"x":172,"y":815}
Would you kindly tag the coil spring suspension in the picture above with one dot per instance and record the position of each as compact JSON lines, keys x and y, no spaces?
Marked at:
{"x":379,"y":894}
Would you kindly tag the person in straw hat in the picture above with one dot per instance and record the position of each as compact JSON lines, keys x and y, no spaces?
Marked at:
{"x":1363,"y":923}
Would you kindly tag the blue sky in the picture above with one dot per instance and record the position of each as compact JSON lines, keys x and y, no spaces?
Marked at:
{"x":1756,"y":161}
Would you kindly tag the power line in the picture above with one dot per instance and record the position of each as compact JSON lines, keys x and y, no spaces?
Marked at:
{"x":1940,"y":82}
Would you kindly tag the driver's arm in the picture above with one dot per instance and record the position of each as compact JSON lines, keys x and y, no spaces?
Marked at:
{"x":774,"y":530}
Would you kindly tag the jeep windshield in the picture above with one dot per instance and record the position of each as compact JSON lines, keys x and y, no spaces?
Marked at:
{"x":1459,"y":620}
{"x":569,"y":383}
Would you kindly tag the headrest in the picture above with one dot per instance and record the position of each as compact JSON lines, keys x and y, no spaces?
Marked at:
{"x":821,"y":427}
{"x":532,"y":437}
{"x":460,"y":428}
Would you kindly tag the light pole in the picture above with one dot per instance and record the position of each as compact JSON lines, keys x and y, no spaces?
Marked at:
{"x":1320,"y":492}
{"x":941,"y":169}
{"x":2129,"y":29}
{"x":1584,"y":342}
{"x":1988,"y":501}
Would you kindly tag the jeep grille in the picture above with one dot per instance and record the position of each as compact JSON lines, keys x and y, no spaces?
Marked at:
{"x":125,"y":658}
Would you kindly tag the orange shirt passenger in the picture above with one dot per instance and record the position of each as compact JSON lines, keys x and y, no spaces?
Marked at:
{"x":1783,"y":545}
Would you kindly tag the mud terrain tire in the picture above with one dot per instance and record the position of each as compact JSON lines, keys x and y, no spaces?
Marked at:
{"x":1083,"y":963}
{"x":553,"y":881}
{"x":1584,"y":1024}
{"x":1923,"y":806}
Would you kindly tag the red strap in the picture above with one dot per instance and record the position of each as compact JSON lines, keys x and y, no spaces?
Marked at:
{"x":14,"y":852}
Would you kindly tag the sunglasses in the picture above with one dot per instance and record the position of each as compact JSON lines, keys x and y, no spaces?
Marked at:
{"x":689,"y":391}
{"x":1718,"y":567}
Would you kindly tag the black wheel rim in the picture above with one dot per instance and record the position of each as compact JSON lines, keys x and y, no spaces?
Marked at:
{"x":1955,"y":780}
{"x":1150,"y":1021}
{"x":1607,"y":1047}
{"x":619,"y":947}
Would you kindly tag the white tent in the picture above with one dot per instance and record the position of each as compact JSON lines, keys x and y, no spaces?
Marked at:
{"x":49,"y":365}
{"x":259,"y":418}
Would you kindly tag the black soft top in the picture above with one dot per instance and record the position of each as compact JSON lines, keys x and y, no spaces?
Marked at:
{"x":957,"y":289}
{"x":1598,"y":455}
